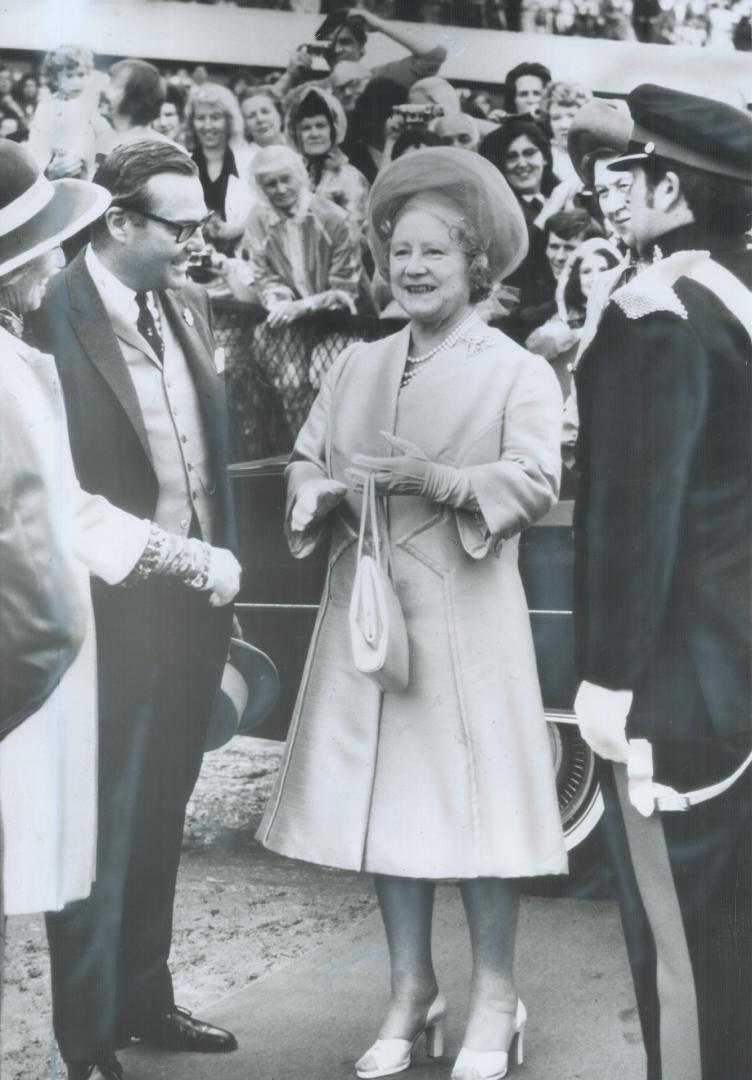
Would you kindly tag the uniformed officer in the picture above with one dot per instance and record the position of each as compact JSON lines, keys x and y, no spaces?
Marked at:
{"x":662,"y":558}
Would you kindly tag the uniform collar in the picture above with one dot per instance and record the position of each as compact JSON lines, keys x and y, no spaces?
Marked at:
{"x":692,"y":237}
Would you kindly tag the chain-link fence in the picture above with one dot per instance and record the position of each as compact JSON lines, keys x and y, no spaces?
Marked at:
{"x":273,"y":375}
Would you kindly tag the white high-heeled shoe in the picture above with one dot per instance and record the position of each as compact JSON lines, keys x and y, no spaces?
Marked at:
{"x":492,"y":1064}
{"x":389,"y":1056}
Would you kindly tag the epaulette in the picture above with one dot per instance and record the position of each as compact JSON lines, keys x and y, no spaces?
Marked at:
{"x":636,"y":301}
{"x":653,"y":288}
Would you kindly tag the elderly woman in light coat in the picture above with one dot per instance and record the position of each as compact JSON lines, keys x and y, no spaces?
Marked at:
{"x":452,"y":777}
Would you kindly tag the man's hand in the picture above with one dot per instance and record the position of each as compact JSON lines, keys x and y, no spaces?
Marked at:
{"x":372,"y":21}
{"x":224,"y":577}
{"x":65,"y":167}
{"x":300,"y":61}
{"x":314,"y":500}
{"x":602,"y":716}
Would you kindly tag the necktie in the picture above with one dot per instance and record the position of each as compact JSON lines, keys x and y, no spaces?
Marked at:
{"x":147,"y":328}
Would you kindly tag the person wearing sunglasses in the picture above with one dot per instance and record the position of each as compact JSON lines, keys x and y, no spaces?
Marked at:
{"x":145,"y":402}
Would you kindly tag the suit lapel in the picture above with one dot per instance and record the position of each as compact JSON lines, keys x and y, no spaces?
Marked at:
{"x":93,"y":329}
{"x":130,"y":335}
{"x":200,"y":360}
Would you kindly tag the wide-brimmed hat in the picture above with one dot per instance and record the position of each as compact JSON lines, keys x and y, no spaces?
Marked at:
{"x":482,"y":198}
{"x":248,"y":692}
{"x":37,"y":214}
{"x":597,"y":125}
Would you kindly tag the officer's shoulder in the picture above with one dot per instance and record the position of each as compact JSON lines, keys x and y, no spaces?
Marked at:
{"x":638,"y":299}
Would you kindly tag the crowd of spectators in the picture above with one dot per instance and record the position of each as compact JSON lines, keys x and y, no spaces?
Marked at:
{"x":286,"y":165}
{"x":720,"y":24}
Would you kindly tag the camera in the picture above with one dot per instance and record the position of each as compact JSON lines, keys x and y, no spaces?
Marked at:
{"x":317,"y":48}
{"x":201,"y":267}
{"x":320,"y":54}
{"x":414,"y":116}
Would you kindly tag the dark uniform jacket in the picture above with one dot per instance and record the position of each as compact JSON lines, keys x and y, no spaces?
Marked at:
{"x":662,"y":522}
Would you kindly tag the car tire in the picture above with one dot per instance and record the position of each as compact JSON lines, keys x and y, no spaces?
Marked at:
{"x":577,"y":787}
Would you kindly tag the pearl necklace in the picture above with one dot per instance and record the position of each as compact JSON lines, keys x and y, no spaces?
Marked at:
{"x":417,"y":362}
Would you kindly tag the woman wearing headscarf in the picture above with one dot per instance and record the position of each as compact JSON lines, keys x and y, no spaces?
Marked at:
{"x":452,"y":777}
{"x":214,"y":123}
{"x":316,"y":125}
{"x":53,"y":536}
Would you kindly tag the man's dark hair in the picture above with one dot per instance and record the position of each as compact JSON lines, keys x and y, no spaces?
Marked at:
{"x":356,"y":27}
{"x":719,"y":204}
{"x":126,"y":173}
{"x":144,"y":90}
{"x":589,"y":161}
{"x":175,"y":96}
{"x":374,"y":107}
{"x":571,"y":223}
{"x":540,"y":71}
{"x":414,"y":139}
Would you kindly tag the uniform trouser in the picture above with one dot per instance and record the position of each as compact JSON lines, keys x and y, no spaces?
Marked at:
{"x":161,"y":652}
{"x":683,"y":883}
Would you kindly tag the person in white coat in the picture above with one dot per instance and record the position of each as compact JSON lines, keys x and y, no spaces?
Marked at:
{"x":53,"y":535}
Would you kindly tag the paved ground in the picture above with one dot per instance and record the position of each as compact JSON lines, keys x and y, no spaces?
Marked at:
{"x":312,"y":1019}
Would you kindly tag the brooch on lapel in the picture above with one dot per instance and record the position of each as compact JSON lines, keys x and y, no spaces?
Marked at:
{"x":188,"y":316}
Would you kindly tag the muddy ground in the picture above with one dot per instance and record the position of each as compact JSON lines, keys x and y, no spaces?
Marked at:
{"x":240,"y":911}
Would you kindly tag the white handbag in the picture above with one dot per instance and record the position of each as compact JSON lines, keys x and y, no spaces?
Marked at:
{"x":378,"y":634}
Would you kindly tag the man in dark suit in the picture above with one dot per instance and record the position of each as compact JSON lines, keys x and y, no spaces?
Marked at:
{"x":146,"y":411}
{"x":664,"y":578}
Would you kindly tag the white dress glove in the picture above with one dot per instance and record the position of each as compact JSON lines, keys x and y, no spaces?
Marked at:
{"x":602,"y":716}
{"x":224,"y":577}
{"x":314,"y":500}
{"x":411,"y":473}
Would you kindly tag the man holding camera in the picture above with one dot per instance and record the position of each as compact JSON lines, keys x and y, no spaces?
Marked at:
{"x":344,"y":35}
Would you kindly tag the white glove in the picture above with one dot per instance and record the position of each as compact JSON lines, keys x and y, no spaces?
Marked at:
{"x":224,"y":577}
{"x":602,"y":716}
{"x":314,"y":500}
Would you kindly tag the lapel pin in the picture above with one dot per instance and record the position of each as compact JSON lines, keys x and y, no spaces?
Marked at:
{"x":188,"y":316}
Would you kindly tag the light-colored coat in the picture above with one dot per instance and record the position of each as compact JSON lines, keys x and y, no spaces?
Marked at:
{"x":48,"y":764}
{"x":453,"y":777}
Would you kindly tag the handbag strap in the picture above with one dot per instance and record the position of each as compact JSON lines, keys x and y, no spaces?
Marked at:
{"x":368,"y":517}
{"x":369,"y":521}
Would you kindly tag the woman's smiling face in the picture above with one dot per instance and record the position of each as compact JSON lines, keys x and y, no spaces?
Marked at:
{"x":210,"y":126}
{"x":428,"y":271}
{"x":592,"y":265}
{"x":523,"y":166}
{"x":261,"y":120}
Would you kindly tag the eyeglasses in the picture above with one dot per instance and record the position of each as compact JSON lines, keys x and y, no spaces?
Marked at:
{"x":183,"y":230}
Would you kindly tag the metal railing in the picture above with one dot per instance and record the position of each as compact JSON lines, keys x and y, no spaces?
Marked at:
{"x":273,"y":375}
